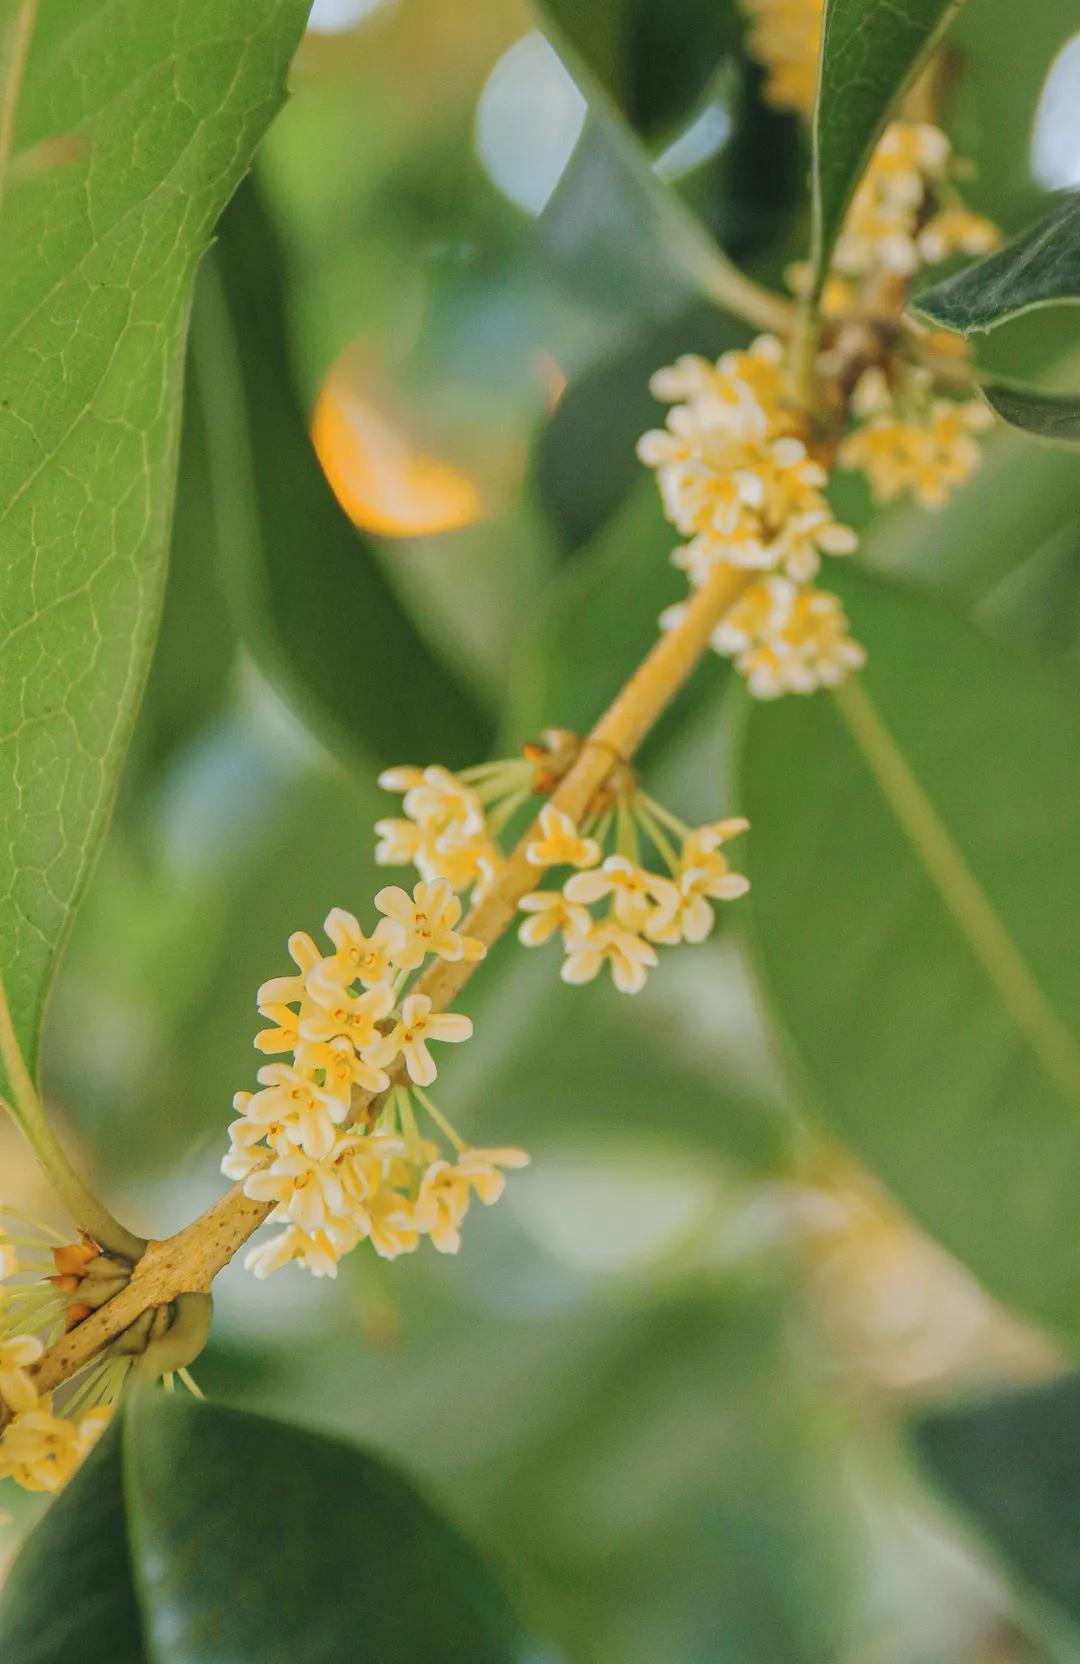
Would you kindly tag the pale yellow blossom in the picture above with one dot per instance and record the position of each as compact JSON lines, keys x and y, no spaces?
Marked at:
{"x":560,"y":844}
{"x":17,"y":1389}
{"x":352,"y":1016}
{"x":629,"y":956}
{"x":427,"y":918}
{"x":550,"y":912}
{"x":410,"y":1036}
{"x":367,"y":959}
{"x":635,"y":893}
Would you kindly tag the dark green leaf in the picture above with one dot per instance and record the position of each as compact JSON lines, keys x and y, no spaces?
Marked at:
{"x":943,"y":1047}
{"x":1053,"y":416}
{"x":315,"y":605}
{"x":1040,"y":266}
{"x":71,"y":1585}
{"x":655,"y":58}
{"x":1012,"y":1462}
{"x":871,"y":51}
{"x":231,"y":1539}
{"x":98,"y":258}
{"x":598,"y":621}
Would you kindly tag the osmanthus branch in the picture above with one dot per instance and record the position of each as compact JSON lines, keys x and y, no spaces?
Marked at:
{"x":188,"y":1262}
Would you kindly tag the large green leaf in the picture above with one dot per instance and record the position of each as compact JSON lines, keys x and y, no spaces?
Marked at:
{"x":1039,"y":267}
{"x":95,"y":278}
{"x":1012,"y":1462}
{"x":1053,"y":416}
{"x":914,"y":922}
{"x":199,"y":1535}
{"x":871,"y":51}
{"x":654,"y":59}
{"x":314,"y":603}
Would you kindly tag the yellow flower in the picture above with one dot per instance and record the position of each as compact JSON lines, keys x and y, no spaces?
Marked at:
{"x":427,"y":918}
{"x":629,"y":957}
{"x":40,"y":1451}
{"x":285,"y":1034}
{"x":352,"y":1016}
{"x":924,"y":456}
{"x":445,"y":1189}
{"x":704,"y":875}
{"x":367,"y":959}
{"x":317,"y":1251}
{"x":17,"y":1389}
{"x":636,"y":894}
{"x":880,"y":230}
{"x":246,"y":1149}
{"x":957,"y":230}
{"x":785,"y":36}
{"x":409,"y":1038}
{"x":306,"y":1192}
{"x":439,"y":799}
{"x":339,"y":1066}
{"x":550,"y":912}
{"x":309,"y":1113}
{"x":561,"y":845}
{"x":288,"y":990}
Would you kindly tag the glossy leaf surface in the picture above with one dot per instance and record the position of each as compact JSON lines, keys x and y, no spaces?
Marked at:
{"x":165,"y":105}
{"x":1039,"y":267}
{"x":871,"y":51}
{"x":166,"y":1542}
{"x":930,"y":989}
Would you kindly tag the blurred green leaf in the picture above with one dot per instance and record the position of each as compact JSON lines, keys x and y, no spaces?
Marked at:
{"x":1039,"y":267}
{"x":597,"y":621}
{"x":584,"y":461}
{"x":208,"y":1536}
{"x":655,"y":60}
{"x":72,"y":1585}
{"x":936,"y":1032}
{"x":871,"y":52}
{"x":98,"y":258}
{"x":315,"y":606}
{"x":1012,"y":1462}
{"x":1054,"y":416}
{"x":195,"y":654}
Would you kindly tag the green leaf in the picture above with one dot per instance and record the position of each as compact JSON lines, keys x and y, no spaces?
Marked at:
{"x":871,"y":52}
{"x":1039,"y":267}
{"x":598,"y":620}
{"x":1054,"y":416}
{"x":200,"y":1535}
{"x":95,"y":281}
{"x":1012,"y":1462}
{"x":313,"y":602}
{"x":913,"y":907}
{"x":654,"y":59}
{"x":73,"y":1577}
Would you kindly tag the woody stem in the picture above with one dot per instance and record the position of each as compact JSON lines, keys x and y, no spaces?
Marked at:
{"x":189,"y":1261}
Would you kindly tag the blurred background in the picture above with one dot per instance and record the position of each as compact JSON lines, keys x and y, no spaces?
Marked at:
{"x":665,"y":1381}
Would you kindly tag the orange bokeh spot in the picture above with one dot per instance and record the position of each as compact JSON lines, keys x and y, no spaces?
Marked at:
{"x":381,"y":481}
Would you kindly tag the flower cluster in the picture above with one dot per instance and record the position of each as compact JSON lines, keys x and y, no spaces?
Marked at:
{"x":39,"y":1449}
{"x":904,"y":214}
{"x":737,"y":479}
{"x":785,"y":36}
{"x":347,"y":1018}
{"x":643,"y":909}
{"x":925,"y":453}
{"x":900,"y":216}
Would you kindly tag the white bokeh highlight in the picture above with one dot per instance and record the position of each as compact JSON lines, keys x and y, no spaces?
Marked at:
{"x":1055,"y":135}
{"x":529,"y":118}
